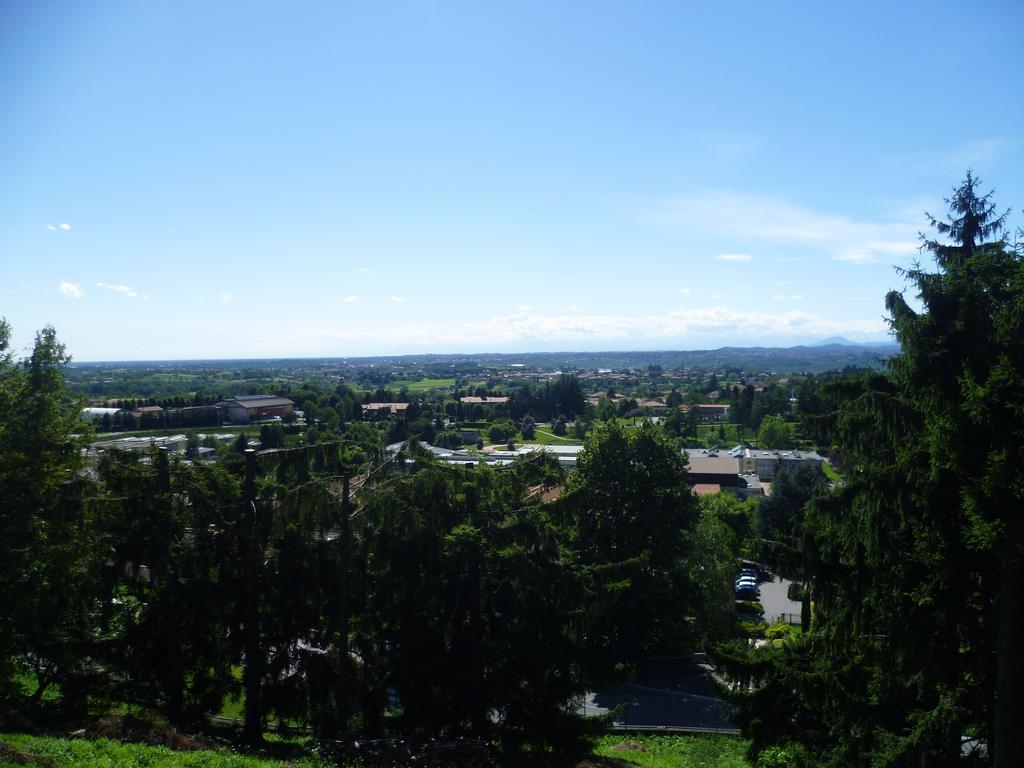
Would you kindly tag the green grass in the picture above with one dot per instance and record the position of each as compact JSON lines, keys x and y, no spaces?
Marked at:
{"x":708,"y":434}
{"x":168,"y":377}
{"x":545,"y":437}
{"x":664,"y":751}
{"x":423,"y":385}
{"x":657,"y":751}
{"x":105,"y":753}
{"x":830,"y":472}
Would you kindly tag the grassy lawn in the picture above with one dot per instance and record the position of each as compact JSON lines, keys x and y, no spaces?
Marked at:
{"x":664,"y":751}
{"x":168,"y":377}
{"x":423,"y":385}
{"x":105,"y":753}
{"x":647,"y":751}
{"x":709,"y":434}
{"x":830,"y":472}
{"x":546,"y":437}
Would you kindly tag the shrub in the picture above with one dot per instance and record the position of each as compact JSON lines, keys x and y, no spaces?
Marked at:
{"x":528,"y":428}
{"x":779,"y":631}
{"x":751,"y":629}
{"x":448,"y":439}
{"x":500,"y":431}
{"x":779,"y":757}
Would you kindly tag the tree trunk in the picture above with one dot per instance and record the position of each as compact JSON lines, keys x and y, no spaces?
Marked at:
{"x":805,"y":609}
{"x":477,"y":702}
{"x":172,"y":664}
{"x":174,"y":680}
{"x":342,"y":693}
{"x":1009,"y":703}
{"x":252,"y":675}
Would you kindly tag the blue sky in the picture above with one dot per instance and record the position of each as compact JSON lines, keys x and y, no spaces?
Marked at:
{"x":193,"y":179}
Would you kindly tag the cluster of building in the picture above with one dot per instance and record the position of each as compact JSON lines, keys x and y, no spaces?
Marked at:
{"x":238,"y":410}
{"x":490,"y":405}
{"x":173,"y":443}
{"x":566,"y":454}
{"x":658,"y":407}
{"x":744,"y":471}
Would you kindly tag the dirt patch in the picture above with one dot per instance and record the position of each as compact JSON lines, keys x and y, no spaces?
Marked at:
{"x":630,"y":746}
{"x":18,"y":757}
{"x":132,"y":729}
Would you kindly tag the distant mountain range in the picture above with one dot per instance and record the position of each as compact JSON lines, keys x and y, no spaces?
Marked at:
{"x":839,"y":341}
{"x":834,"y":353}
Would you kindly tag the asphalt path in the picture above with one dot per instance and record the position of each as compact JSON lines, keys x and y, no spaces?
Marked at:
{"x":675,"y":693}
{"x":776,"y":601}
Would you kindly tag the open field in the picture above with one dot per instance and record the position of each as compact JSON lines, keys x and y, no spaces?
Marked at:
{"x":423,"y":385}
{"x":546,"y":437}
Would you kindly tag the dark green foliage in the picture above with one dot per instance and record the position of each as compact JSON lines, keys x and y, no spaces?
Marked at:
{"x":631,"y":517}
{"x":272,"y":436}
{"x":501,"y":430}
{"x":914,"y":565}
{"x":782,"y":513}
{"x":47,"y":557}
{"x":774,"y":433}
{"x":466,"y":607}
{"x":353,"y":589}
{"x":449,"y":440}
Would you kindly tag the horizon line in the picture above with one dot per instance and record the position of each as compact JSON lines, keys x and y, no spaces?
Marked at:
{"x":812,"y":345}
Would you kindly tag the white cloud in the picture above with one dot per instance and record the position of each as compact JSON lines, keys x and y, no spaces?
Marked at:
{"x":70,"y":290}
{"x":226,"y":297}
{"x":749,"y":216}
{"x":797,"y":296}
{"x":733,"y":257}
{"x":525,"y":308}
{"x":352,"y":299}
{"x":366,"y":271}
{"x":124,"y":290}
{"x":684,"y":291}
{"x":870,"y":252}
{"x":778,"y":297}
{"x":676,"y":326}
{"x":51,"y":227}
{"x":782,"y":283}
{"x":65,"y":227}
{"x":397,"y":298}
{"x":979,"y":153}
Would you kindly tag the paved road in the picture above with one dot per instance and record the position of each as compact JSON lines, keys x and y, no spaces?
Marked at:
{"x":775,"y":600}
{"x":667,"y":694}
